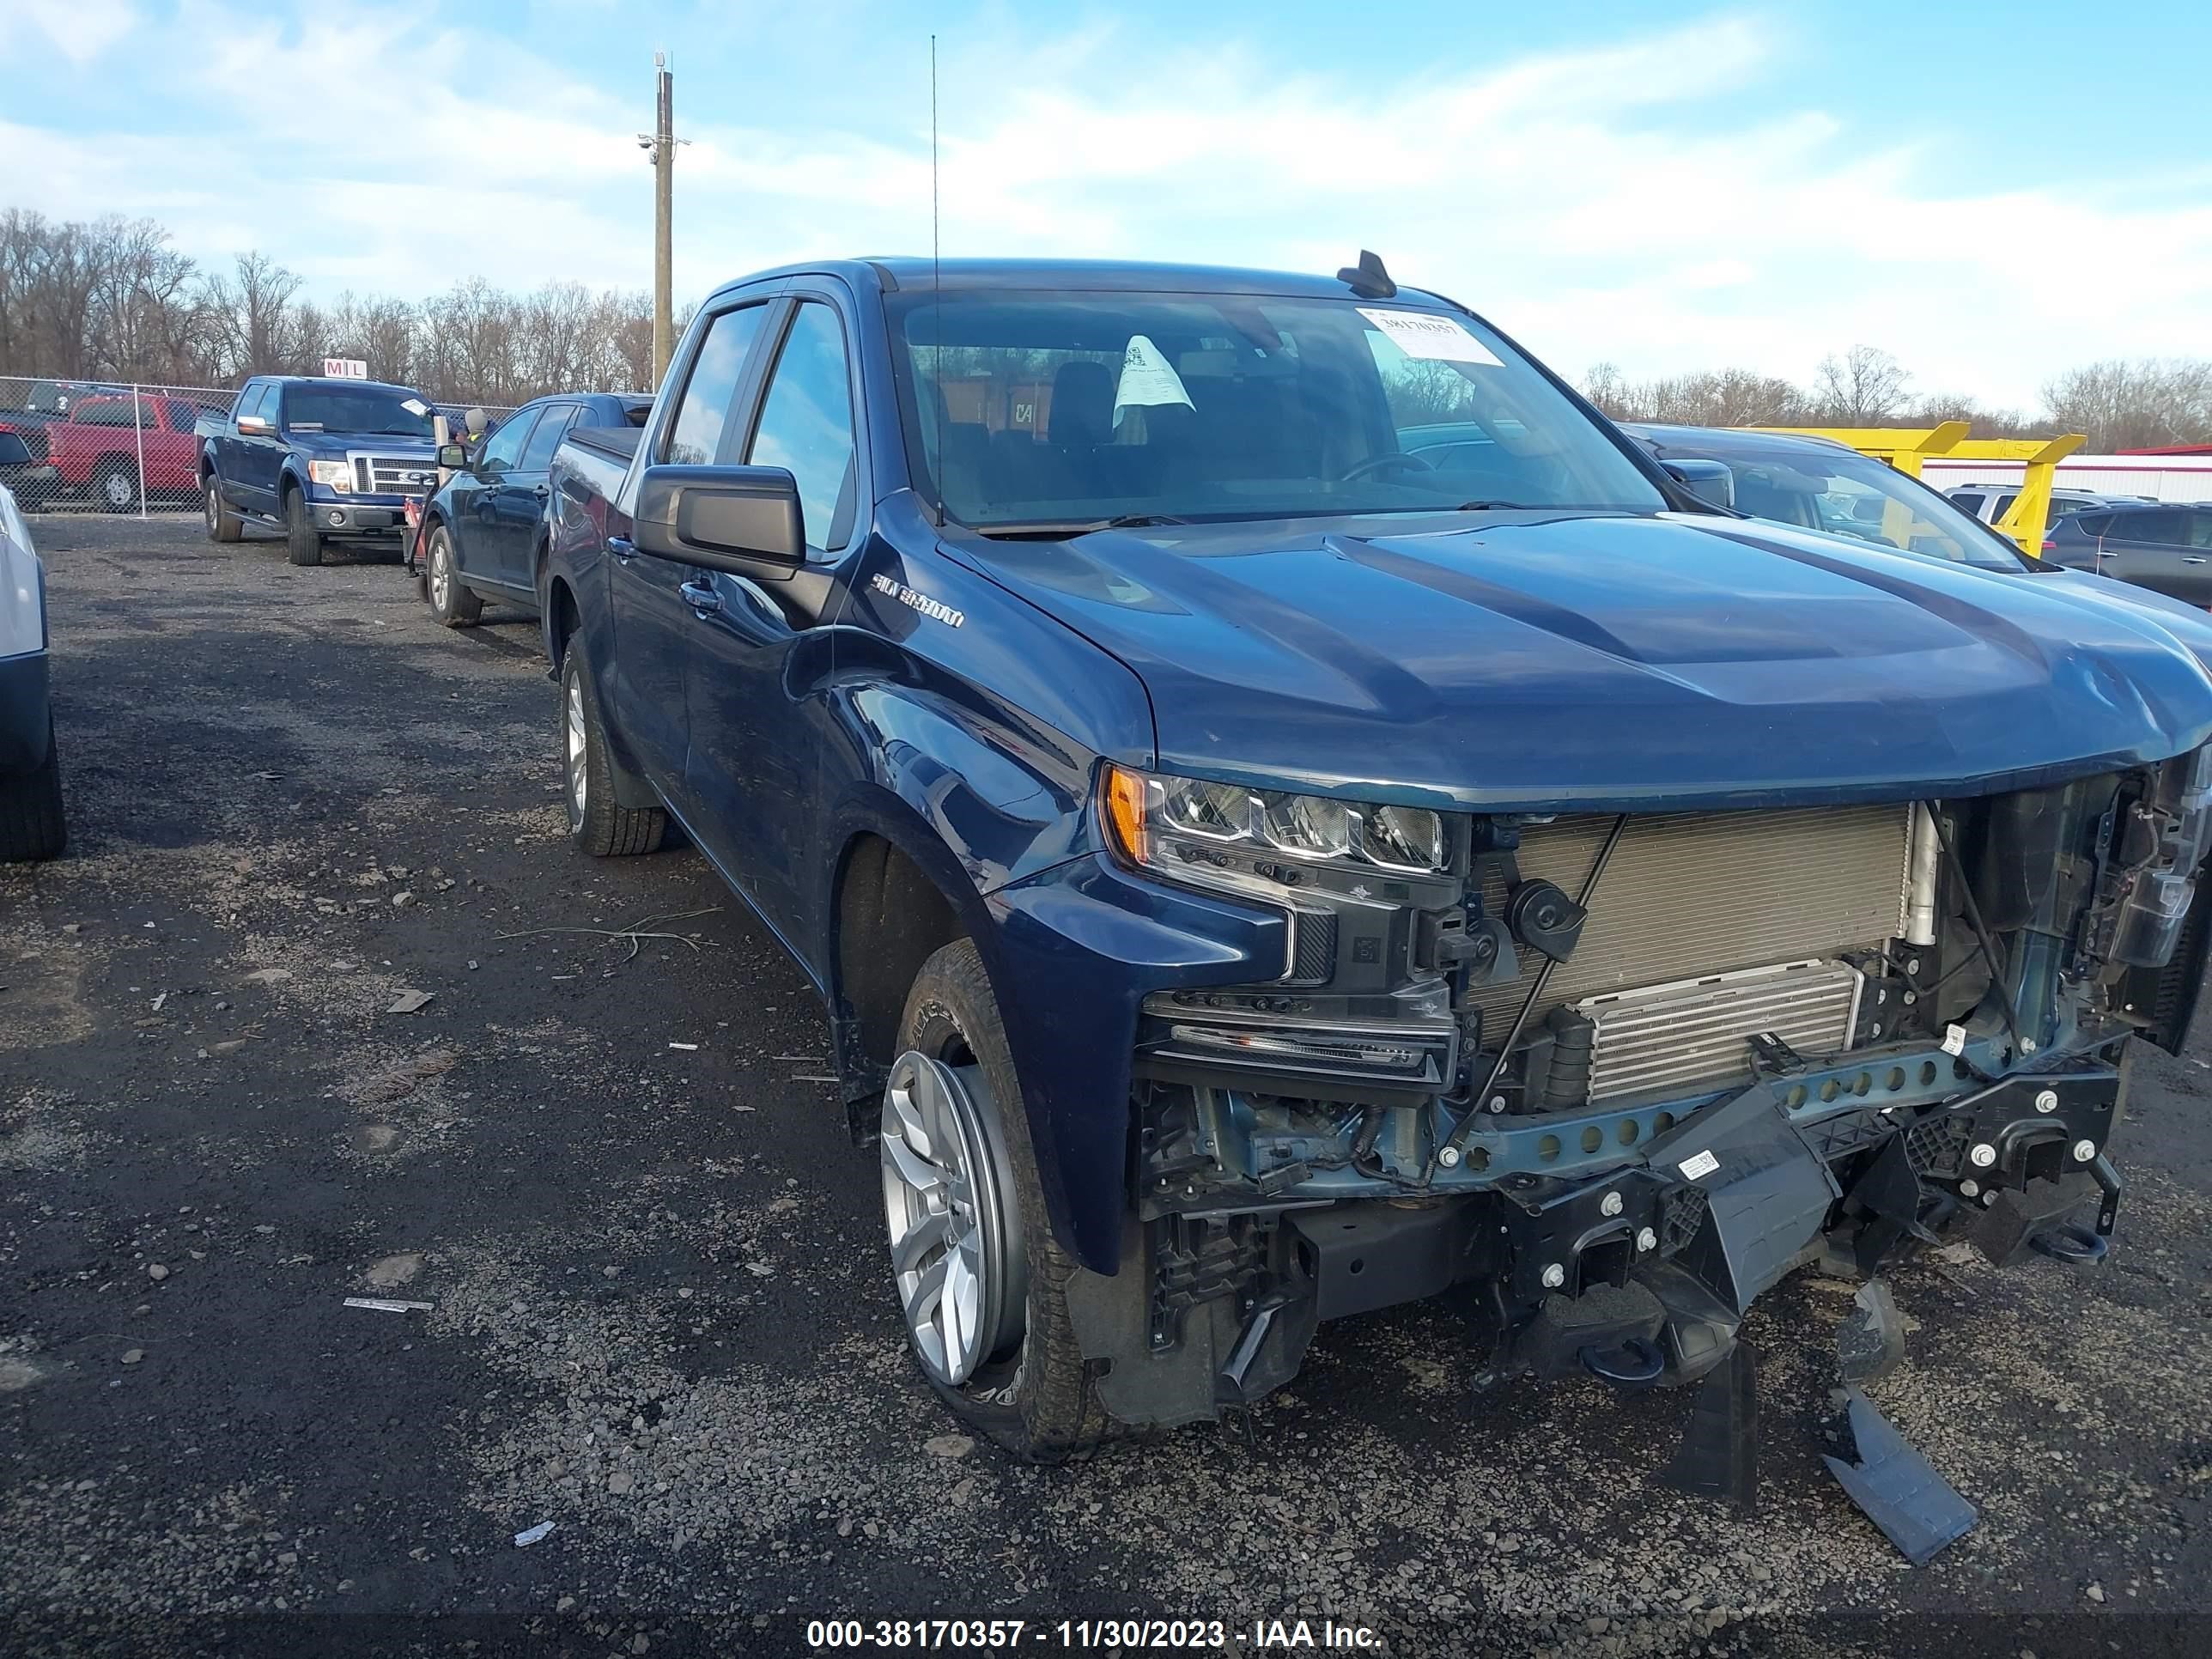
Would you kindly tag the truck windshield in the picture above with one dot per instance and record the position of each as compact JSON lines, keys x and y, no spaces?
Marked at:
{"x":1029,"y":411}
{"x":363,"y":410}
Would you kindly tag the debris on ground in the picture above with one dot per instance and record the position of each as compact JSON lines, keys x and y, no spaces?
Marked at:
{"x":383,"y":1305}
{"x":408,"y":1001}
{"x":1870,"y":1342}
{"x":948,"y":1446}
{"x":394,"y":1271}
{"x":536,"y":1535}
{"x":1916,"y":1507}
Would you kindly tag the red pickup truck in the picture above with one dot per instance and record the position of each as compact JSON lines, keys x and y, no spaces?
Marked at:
{"x":97,"y":451}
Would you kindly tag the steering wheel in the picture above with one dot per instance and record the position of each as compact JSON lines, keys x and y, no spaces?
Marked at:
{"x":1359,"y":470}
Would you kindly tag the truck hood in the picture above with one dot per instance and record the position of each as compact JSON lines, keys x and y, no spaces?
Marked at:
{"x":1554,"y":660}
{"x":336,"y":445}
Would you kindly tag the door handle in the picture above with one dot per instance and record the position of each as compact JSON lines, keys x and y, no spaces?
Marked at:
{"x":541,"y":492}
{"x":2188,"y":559}
{"x":622,"y":548}
{"x":701,"y":598}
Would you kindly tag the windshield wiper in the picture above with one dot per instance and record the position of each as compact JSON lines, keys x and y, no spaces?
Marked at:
{"x":1499,"y":507}
{"x":1049,"y":531}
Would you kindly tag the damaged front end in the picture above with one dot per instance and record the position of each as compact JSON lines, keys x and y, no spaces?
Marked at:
{"x":1610,"y":1077}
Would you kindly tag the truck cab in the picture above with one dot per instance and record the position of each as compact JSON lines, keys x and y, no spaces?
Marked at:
{"x":326,"y":460}
{"x":1261,"y":864}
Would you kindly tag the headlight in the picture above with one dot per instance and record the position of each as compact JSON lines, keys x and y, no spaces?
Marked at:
{"x":332,"y":475}
{"x":1213,"y":833}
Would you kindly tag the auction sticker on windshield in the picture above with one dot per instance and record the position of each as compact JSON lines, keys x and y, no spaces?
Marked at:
{"x":1425,"y":334}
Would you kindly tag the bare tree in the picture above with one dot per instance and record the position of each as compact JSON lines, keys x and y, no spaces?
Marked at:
{"x":1866,"y":387}
{"x":2143,"y":404}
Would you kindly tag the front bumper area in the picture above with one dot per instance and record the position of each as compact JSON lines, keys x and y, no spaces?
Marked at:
{"x":1636,"y":1266}
{"x":356,"y":515}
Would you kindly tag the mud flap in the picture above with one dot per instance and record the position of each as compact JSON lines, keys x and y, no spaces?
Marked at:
{"x":1719,"y":1454}
{"x":1916,"y":1507}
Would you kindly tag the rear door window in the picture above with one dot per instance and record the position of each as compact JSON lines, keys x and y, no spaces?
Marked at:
{"x":2163,"y":527}
{"x":697,"y":434}
{"x":1969,"y":501}
{"x":552,"y":427}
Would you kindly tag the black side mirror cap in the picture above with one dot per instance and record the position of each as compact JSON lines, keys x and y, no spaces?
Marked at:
{"x":1708,"y":481}
{"x":722,"y":518}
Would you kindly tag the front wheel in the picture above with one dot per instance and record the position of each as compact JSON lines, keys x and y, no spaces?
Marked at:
{"x":303,"y":543}
{"x":31,"y":822}
{"x":982,"y":1283}
{"x":450,"y":602}
{"x":597,"y":822}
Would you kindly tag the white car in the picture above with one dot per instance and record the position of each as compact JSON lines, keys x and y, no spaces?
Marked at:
{"x":1990,"y":502}
{"x":31,"y":824}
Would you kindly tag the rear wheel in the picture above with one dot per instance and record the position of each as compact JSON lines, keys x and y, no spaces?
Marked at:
{"x":222,"y":524}
{"x":303,"y":544}
{"x":982,"y":1284}
{"x":115,"y":486}
{"x":31,"y":822}
{"x":597,"y":822}
{"x":455,"y":605}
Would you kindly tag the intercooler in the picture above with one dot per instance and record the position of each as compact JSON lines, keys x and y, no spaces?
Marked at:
{"x":1689,"y":903}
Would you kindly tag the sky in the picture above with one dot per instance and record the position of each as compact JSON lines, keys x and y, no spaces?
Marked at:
{"x":1993,"y":192}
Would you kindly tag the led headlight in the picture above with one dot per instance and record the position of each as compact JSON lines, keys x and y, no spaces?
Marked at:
{"x":332,"y":475}
{"x":1213,"y":833}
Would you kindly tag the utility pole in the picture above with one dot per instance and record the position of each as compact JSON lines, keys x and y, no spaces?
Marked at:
{"x":663,"y":147}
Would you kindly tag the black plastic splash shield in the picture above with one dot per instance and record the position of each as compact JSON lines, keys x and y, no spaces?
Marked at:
{"x":1916,"y":1507}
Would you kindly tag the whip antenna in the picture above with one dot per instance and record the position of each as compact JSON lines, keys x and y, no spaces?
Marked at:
{"x":936,"y":294}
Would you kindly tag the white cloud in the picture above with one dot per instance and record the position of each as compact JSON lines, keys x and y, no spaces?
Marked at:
{"x":80,"y":30}
{"x":1611,"y":203}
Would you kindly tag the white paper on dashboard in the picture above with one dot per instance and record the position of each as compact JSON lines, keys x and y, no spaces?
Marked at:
{"x":1426,"y":335}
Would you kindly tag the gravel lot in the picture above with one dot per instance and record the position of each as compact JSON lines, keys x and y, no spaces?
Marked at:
{"x":659,"y":1319}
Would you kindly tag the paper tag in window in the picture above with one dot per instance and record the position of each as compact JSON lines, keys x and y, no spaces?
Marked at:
{"x":1148,"y":378}
{"x":1426,"y":334}
{"x":1698,"y":1168}
{"x":415,"y":406}
{"x":1954,"y":1039}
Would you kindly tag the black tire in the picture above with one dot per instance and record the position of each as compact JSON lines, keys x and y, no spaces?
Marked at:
{"x":302,"y":543}
{"x":115,"y":486}
{"x":222,"y":524}
{"x":598,"y":825}
{"x":31,"y":822}
{"x":451,"y":602}
{"x":1038,"y":1402}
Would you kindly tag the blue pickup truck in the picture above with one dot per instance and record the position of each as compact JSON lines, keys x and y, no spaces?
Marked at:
{"x":324,"y":461}
{"x":1260,"y":866}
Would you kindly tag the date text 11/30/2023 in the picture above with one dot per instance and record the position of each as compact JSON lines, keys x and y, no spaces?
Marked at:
{"x":1009,"y":1635}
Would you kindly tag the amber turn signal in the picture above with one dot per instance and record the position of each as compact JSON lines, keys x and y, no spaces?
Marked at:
{"x":1122,"y":805}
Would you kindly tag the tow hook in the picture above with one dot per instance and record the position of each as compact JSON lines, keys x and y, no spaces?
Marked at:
{"x":1632,"y":1363}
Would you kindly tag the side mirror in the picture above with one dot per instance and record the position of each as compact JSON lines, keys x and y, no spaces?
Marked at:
{"x":452,"y":457}
{"x":255,"y":426}
{"x":14,"y":452}
{"x":724,"y":518}
{"x":1708,"y":481}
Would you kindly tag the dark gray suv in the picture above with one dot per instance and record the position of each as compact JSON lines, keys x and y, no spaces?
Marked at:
{"x":2167,"y":548}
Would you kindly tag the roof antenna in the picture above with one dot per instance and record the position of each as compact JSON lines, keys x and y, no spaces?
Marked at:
{"x":1367,"y":279}
{"x":936,"y":293}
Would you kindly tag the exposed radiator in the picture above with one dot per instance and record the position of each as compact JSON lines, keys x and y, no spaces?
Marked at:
{"x":1692,"y":895}
{"x":1675,"y":1036}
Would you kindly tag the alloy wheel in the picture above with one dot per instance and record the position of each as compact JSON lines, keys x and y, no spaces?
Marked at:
{"x":574,"y":727}
{"x":441,"y":573}
{"x":948,"y":1199}
{"x":213,"y":510}
{"x":117,"y":488}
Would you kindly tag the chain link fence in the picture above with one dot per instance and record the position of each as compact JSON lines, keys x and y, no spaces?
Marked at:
{"x":102,"y":448}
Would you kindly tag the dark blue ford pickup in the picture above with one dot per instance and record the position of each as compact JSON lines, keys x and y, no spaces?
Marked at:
{"x":324,"y":461}
{"x":1262,"y":866}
